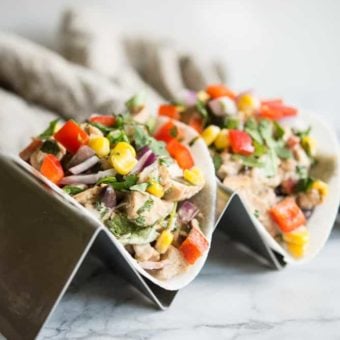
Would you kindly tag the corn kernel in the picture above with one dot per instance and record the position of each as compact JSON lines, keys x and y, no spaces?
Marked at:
{"x":164,"y":241}
{"x":202,"y":96}
{"x":123,"y":158}
{"x":248,"y":103}
{"x":299,"y":236}
{"x":309,"y":145}
{"x":222,"y":140}
{"x":155,"y":189}
{"x":210,"y":133}
{"x":193,"y":176}
{"x":100,"y":145}
{"x":296,"y":250}
{"x":322,"y":187}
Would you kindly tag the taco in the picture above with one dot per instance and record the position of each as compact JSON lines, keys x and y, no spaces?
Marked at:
{"x":266,"y":151}
{"x":151,"y":195}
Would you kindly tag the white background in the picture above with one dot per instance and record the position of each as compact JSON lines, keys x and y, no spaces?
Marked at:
{"x":287,"y":48}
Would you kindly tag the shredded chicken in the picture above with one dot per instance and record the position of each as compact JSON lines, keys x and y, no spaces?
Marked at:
{"x":257,"y":196}
{"x":145,"y":252}
{"x":148,"y":207}
{"x":308,"y":200}
{"x":89,"y":197}
{"x":175,"y":264}
{"x":179,"y":191}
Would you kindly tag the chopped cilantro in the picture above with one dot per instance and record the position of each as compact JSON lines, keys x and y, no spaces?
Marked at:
{"x":104,"y":129}
{"x":49,"y":132}
{"x":303,"y":133}
{"x":249,"y":161}
{"x":117,"y":136}
{"x":50,"y":146}
{"x":256,"y":213}
{"x":279,"y":130}
{"x":283,"y":152}
{"x":136,"y":103}
{"x":72,"y":189}
{"x":217,"y":160}
{"x":302,"y":171}
{"x":139,"y":187}
{"x":232,"y":123}
{"x":304,"y":184}
{"x":127,"y":182}
{"x":146,"y":206}
{"x":200,"y":106}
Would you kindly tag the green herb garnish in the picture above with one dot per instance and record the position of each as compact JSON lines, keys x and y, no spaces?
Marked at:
{"x":72,"y":189}
{"x":123,"y":185}
{"x":49,"y":132}
{"x":50,"y":146}
{"x":217,"y":160}
{"x":136,"y":103}
{"x":139,"y":187}
{"x":146,"y":206}
{"x":232,"y":123}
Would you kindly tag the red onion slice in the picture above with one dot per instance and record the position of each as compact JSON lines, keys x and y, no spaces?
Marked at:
{"x":109,"y":197}
{"x":187,"y":211}
{"x":87,"y":179}
{"x":89,"y":163}
{"x":84,"y":153}
{"x":145,"y":158}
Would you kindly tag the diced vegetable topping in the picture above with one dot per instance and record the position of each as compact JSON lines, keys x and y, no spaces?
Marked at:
{"x":240,"y":142}
{"x":210,"y":133}
{"x":169,"y":131}
{"x":100,"y":145}
{"x":52,"y":169}
{"x":216,"y":91}
{"x":170,"y":111}
{"x":194,"y":246}
{"x":71,"y":136}
{"x":164,"y":241}
{"x":154,"y":188}
{"x":103,"y":120}
{"x":123,"y":158}
{"x":180,"y":153}
{"x":288,"y":215}
{"x":193,"y":176}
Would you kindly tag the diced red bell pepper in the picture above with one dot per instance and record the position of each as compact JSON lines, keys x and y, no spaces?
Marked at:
{"x":170,"y":111}
{"x":103,"y":120}
{"x":287,"y":215}
{"x":52,"y":169}
{"x":28,"y":151}
{"x":241,"y":142}
{"x":169,"y":131}
{"x":272,"y":101}
{"x":196,"y":123}
{"x":180,"y":153}
{"x":219,"y":90}
{"x":275,"y":110}
{"x":71,"y":136}
{"x":194,"y":245}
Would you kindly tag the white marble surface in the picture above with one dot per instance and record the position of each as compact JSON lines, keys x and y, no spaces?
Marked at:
{"x":233,"y":298}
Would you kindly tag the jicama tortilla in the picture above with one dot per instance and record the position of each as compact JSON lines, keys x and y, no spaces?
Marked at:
{"x":204,"y":200}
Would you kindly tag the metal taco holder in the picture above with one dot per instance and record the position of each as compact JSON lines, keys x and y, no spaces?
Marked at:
{"x":44,"y":239}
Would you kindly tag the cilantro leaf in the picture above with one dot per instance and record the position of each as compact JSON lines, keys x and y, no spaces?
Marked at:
{"x":136,"y":103}
{"x":141,"y":187}
{"x":72,"y":189}
{"x":50,"y":146}
{"x":49,"y":132}
{"x":127,"y":182}
{"x":217,"y":160}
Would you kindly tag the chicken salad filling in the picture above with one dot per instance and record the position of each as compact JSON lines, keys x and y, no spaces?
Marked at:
{"x":267,"y":162}
{"x":136,"y":179}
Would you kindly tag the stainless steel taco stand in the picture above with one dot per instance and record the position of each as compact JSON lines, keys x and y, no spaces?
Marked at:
{"x":237,"y":224}
{"x":44,"y":240}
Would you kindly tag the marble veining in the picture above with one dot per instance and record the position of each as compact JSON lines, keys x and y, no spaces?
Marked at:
{"x":234,"y":297}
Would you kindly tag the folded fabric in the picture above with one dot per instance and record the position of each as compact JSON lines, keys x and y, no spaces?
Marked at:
{"x":19,"y":120}
{"x":45,"y":78}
